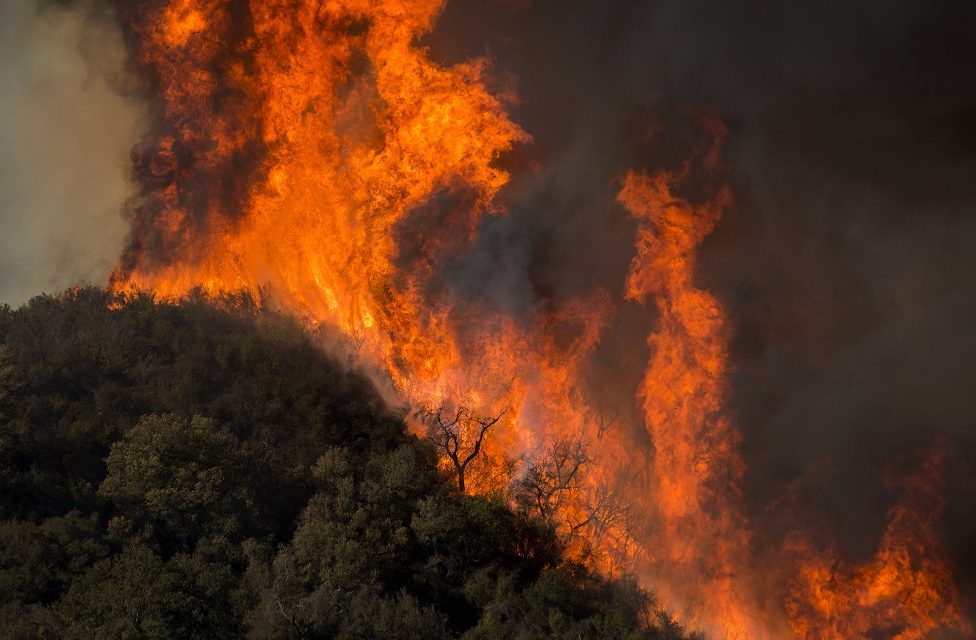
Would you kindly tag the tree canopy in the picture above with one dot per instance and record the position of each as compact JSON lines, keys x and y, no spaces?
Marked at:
{"x":205,"y":470}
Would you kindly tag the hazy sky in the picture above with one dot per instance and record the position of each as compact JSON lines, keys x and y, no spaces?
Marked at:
{"x":65,"y":136}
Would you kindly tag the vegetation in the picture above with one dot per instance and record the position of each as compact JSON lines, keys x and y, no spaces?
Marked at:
{"x":205,"y":471}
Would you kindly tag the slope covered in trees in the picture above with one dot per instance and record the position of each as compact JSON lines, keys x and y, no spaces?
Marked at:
{"x":189,"y":471}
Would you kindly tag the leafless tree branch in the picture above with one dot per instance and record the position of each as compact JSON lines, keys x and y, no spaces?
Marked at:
{"x":459,"y":435}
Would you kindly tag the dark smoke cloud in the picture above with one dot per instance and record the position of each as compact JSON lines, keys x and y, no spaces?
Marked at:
{"x":849,"y":260}
{"x":65,"y":137}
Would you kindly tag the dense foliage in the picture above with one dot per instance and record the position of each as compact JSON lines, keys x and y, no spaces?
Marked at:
{"x":200,"y":472}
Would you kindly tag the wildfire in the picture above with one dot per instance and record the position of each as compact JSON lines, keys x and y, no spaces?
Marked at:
{"x":308,"y":141}
{"x":312,"y":153}
{"x":291,"y":150}
{"x":905,"y":593}
{"x":701,"y":540}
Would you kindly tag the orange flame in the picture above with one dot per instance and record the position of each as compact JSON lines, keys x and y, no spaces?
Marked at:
{"x":905,"y":593}
{"x":345,"y":158}
{"x":354,"y":129}
{"x":300,"y":141}
{"x":701,"y":542}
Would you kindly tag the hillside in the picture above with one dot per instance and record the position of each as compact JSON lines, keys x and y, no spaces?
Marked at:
{"x":189,"y":471}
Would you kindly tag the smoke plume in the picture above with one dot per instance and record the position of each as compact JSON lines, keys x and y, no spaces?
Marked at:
{"x":64,"y":144}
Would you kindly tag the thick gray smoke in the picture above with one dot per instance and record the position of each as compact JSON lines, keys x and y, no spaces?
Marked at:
{"x":65,"y":137}
{"x":848,"y":262}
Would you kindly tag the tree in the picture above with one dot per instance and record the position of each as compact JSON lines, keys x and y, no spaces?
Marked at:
{"x":135,"y":594}
{"x":585,"y":511}
{"x":460,"y":437}
{"x":181,"y":478}
{"x":554,"y":476}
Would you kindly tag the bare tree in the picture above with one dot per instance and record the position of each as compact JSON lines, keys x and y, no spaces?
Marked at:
{"x":459,"y":435}
{"x":555,"y":473}
{"x":604,"y":417}
{"x":593,"y":516}
{"x":606,"y":520}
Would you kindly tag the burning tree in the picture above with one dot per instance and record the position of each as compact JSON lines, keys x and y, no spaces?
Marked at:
{"x":458,"y":434}
{"x":554,"y":474}
{"x":592,"y":515}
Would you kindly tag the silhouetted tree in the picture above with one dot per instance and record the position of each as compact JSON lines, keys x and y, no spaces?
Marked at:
{"x":554,"y":475}
{"x":458,"y":435}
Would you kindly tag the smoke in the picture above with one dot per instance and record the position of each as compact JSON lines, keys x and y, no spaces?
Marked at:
{"x":847,"y":260}
{"x":65,"y":137}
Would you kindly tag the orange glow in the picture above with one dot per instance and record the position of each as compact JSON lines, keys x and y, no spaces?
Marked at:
{"x":700,"y":545}
{"x":319,"y":159}
{"x":357,"y":129}
{"x":347,"y":157}
{"x":905,"y":593}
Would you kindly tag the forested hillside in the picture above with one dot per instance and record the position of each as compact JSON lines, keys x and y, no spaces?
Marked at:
{"x":189,"y":471}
